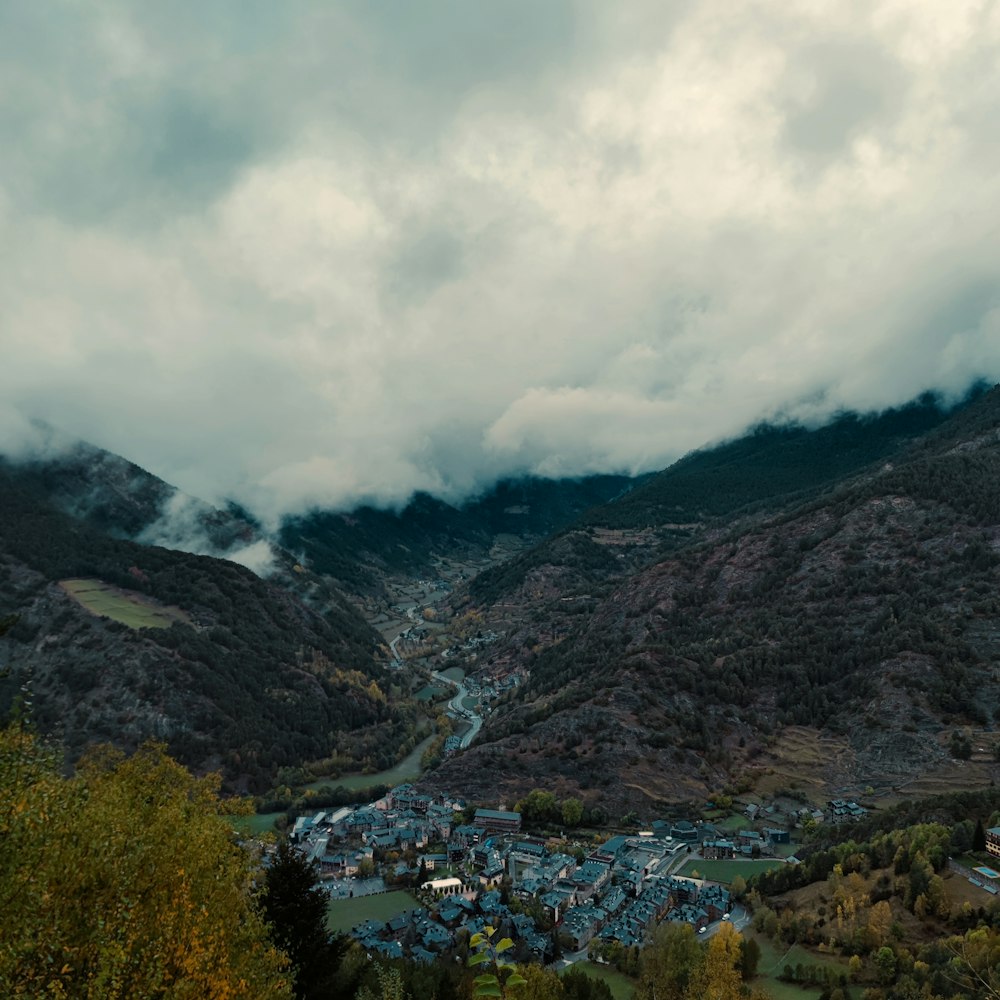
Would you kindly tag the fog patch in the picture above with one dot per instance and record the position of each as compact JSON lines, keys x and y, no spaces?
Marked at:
{"x":188,"y":524}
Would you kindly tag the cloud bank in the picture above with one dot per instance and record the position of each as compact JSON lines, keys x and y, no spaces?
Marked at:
{"x":300,"y":254}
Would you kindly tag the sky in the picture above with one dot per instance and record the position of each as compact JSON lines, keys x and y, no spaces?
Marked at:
{"x":312,"y":254}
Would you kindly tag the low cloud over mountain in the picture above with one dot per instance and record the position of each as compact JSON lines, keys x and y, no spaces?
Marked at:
{"x":305,"y":255}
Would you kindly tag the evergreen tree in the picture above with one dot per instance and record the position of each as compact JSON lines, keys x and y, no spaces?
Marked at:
{"x":979,"y":837}
{"x":295,"y":907}
{"x":557,"y":950}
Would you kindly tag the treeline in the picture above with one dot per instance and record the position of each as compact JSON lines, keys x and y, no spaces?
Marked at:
{"x":347,"y":545}
{"x":771,"y":464}
{"x":884,"y":904}
{"x":539,"y":808}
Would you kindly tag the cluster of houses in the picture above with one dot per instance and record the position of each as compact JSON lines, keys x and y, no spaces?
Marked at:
{"x":493,"y":875}
{"x":486,"y":872}
{"x":471,"y":645}
{"x":837,"y":811}
{"x":843,"y":811}
{"x":404,"y":821}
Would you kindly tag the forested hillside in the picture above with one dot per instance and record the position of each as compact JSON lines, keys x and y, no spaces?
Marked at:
{"x":870,"y":612}
{"x":769,"y":468}
{"x":248,"y":678}
{"x":356,"y":547}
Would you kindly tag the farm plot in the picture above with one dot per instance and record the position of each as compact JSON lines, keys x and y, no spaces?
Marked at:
{"x":126,"y":606}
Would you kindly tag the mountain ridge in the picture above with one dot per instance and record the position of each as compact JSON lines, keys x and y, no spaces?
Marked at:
{"x":867,"y":612}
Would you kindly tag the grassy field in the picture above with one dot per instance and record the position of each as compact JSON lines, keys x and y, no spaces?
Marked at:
{"x":773,"y":961}
{"x":256,"y":824}
{"x":431,"y":693}
{"x":622,"y":988}
{"x":726,"y":871}
{"x":953,"y":776}
{"x":408,"y":769}
{"x":125,"y":606}
{"x":456,"y":674}
{"x":343,"y":914}
{"x":733,"y":823}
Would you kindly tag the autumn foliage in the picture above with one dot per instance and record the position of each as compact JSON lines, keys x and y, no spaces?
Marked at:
{"x":124,"y":882}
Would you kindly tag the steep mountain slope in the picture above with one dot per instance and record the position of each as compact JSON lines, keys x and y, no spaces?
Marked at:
{"x":357,"y":547}
{"x":767,"y":469}
{"x":249,"y":676}
{"x":253,"y":675}
{"x":870,"y":613}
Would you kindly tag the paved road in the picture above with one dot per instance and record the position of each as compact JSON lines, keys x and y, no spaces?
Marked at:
{"x":739,"y":918}
{"x":458,"y":711}
{"x":568,"y":958}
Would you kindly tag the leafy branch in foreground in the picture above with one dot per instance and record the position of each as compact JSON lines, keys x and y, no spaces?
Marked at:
{"x":488,"y":984}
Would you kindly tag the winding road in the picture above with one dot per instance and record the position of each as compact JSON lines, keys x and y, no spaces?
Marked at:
{"x":458,"y":711}
{"x":455,"y":707}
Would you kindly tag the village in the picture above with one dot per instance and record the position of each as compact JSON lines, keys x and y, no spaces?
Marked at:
{"x":471,"y":868}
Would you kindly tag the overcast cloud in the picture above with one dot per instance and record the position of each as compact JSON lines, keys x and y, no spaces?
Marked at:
{"x":299,"y":253}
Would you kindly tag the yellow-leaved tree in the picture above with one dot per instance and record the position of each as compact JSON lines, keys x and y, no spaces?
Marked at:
{"x":124,"y":882}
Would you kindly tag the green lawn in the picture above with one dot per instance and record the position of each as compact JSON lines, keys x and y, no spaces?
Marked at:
{"x":430,"y":693}
{"x":726,"y":871}
{"x":256,"y":824}
{"x":131,"y":609}
{"x":454,"y":674}
{"x":773,"y":960}
{"x":733,"y":823}
{"x":622,"y":988}
{"x":785,"y":850}
{"x":343,"y":914}
{"x":778,"y":990}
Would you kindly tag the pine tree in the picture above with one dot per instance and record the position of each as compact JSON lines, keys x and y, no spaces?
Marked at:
{"x":295,"y":907}
{"x":979,"y":837}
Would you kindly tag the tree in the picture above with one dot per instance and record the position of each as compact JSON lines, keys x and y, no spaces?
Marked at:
{"x":885,"y":962}
{"x":390,"y":986}
{"x":490,"y":954}
{"x":538,"y":806}
{"x":749,"y":958}
{"x":296,"y":907}
{"x":979,"y":836}
{"x":572,"y":812}
{"x":855,"y":965}
{"x":719,"y":976}
{"x":124,"y":881}
{"x":879,"y":923}
{"x":669,"y":963}
{"x":577,"y":985}
{"x":738,"y":887}
{"x":960,"y":745}
{"x":539,"y":984}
